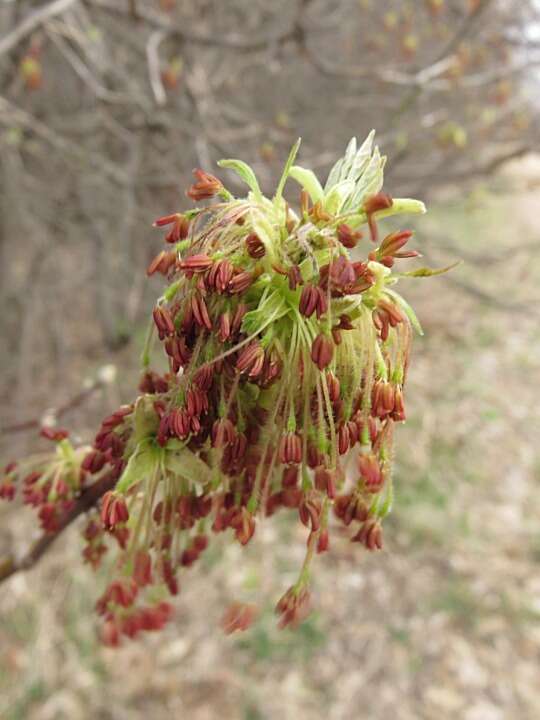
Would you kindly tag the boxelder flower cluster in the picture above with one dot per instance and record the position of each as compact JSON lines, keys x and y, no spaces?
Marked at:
{"x":287,"y":349}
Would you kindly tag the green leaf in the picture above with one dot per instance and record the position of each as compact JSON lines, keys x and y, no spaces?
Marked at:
{"x":243,"y":170}
{"x":287,"y":169}
{"x":141,"y":465}
{"x":309,"y":181}
{"x":187,"y":465}
{"x":429,"y":272}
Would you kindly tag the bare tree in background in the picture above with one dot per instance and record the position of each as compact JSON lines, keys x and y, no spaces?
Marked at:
{"x":107,"y":105}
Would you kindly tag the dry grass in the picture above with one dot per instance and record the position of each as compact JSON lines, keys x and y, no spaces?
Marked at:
{"x":445,"y":623}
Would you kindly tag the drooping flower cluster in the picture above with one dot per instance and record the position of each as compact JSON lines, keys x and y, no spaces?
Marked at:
{"x":287,"y":349}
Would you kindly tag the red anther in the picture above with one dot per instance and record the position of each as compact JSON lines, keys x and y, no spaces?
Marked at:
{"x":54,"y":434}
{"x":238,"y":316}
{"x":344,"y":439}
{"x":142,"y":568}
{"x":322,"y":351}
{"x":393,"y":243}
{"x":196,"y":264}
{"x":169,"y":576}
{"x":373,"y":204}
{"x":93,"y":462}
{"x":180,"y":227}
{"x":314,"y":456}
{"x":219,"y":275}
{"x":370,"y":535}
{"x":224,"y":329}
{"x":290,"y":449}
{"x":333,"y":386}
{"x":240,"y":282}
{"x":164,"y":322}
{"x":398,"y":413}
{"x":251,"y":359}
{"x":238,"y":617}
{"x":323,"y":541}
{"x":7,"y":489}
{"x":313,"y":299}
{"x":222,"y":433}
{"x":295,"y":277}
{"x":371,"y":472}
{"x":255,"y":246}
{"x":394,"y":314}
{"x":339,"y":275}
{"x":162,"y":263}
{"x":204,"y":377}
{"x":120,"y":592}
{"x":293,"y":607}
{"x":110,"y":635}
{"x":179,"y":423}
{"x":196,"y":402}
{"x":289,"y":479}
{"x":200,"y":311}
{"x":310,"y":514}
{"x":113,"y":510}
{"x":347,"y":236}
{"x":243,"y":524}
{"x":206,"y":186}
{"x":325,"y":481}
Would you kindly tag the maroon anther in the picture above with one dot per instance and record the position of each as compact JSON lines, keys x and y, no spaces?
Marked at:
{"x":196,"y":264}
{"x":206,"y":186}
{"x":290,"y":449}
{"x":251,"y":359}
{"x":113,"y":510}
{"x":347,"y":236}
{"x":322,"y":351}
{"x":375,"y":203}
{"x":255,"y":246}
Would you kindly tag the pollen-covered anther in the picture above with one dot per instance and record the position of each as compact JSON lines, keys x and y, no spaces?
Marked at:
{"x":290,"y":449}
{"x":322,"y":351}
{"x":206,"y":186}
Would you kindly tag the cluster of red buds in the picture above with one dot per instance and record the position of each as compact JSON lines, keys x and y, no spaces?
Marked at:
{"x":286,"y":360}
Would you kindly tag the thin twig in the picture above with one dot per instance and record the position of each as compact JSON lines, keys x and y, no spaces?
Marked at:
{"x":33,"y":21}
{"x":89,"y":497}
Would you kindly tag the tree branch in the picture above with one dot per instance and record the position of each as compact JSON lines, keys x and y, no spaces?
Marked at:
{"x":10,"y":565}
{"x":33,"y":21}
